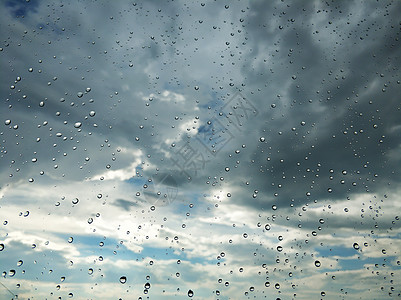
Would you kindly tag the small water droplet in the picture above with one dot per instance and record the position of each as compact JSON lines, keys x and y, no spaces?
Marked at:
{"x":317,"y":263}
{"x":77,"y":124}
{"x":123,"y":279}
{"x":190,"y":293}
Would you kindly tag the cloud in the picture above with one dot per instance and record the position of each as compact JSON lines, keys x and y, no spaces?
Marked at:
{"x":256,"y":135}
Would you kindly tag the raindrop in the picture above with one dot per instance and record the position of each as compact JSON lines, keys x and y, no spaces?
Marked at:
{"x":75,"y":201}
{"x":267,"y":227}
{"x":262,"y":139}
{"x":317,"y":263}
{"x":190,"y":293}
{"x":70,"y":239}
{"x":92,"y":113}
{"x":11,"y":273}
{"x":20,"y":263}
{"x":77,"y":124}
{"x":80,"y":94}
{"x":90,"y":221}
{"x":123,"y":279}
{"x":1,"y":247}
{"x":7,"y":122}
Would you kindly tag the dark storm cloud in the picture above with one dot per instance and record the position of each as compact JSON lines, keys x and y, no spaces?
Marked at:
{"x":316,"y":63}
{"x":349,"y":124}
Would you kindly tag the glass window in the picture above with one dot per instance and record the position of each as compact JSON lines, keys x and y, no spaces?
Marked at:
{"x":206,"y":150}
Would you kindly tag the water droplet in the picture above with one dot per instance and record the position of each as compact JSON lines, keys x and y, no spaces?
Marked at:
{"x":80,"y":94}
{"x":20,"y":263}
{"x":190,"y":293}
{"x":123,"y":279}
{"x":262,"y":139}
{"x":75,"y":201}
{"x":11,"y":273}
{"x":196,"y":87}
{"x":70,"y":239}
{"x":1,"y":247}
{"x":317,"y":263}
{"x":267,"y":227}
{"x":147,"y":285}
{"x":7,"y":122}
{"x":77,"y":124}
{"x":92,"y":113}
{"x":90,"y":221}
{"x":356,"y":246}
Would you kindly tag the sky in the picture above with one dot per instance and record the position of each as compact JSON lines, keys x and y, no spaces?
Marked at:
{"x":205,"y":150}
